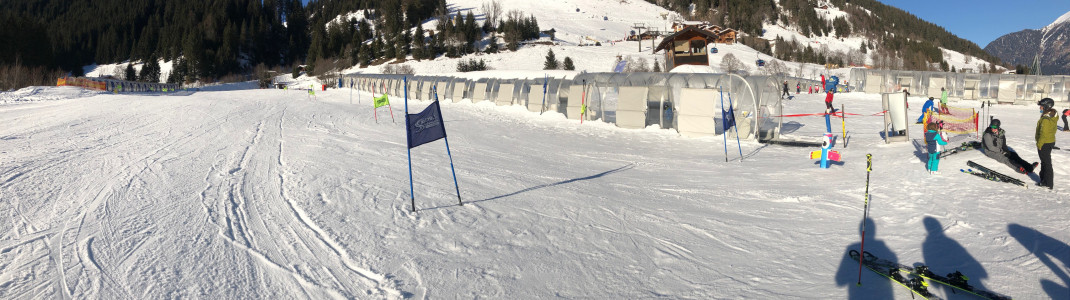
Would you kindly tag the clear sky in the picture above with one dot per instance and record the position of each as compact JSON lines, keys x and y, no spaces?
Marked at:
{"x":982,"y":21}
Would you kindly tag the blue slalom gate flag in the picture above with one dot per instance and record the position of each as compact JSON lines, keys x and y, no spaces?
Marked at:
{"x":728,"y":118}
{"x":426,"y":126}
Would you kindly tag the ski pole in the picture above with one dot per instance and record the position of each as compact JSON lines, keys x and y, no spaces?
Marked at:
{"x":843,"y":119}
{"x":865,"y":216}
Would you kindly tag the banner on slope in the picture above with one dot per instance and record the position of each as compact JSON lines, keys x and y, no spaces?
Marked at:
{"x":426,"y":126}
{"x":422,"y":128}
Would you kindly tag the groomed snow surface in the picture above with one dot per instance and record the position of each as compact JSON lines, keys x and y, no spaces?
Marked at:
{"x":234,"y":193}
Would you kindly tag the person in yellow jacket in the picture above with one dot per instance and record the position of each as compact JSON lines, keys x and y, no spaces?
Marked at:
{"x":1046,"y":127}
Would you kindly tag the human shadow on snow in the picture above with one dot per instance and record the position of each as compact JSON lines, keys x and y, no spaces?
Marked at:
{"x":1052,"y":252}
{"x":944,"y":256}
{"x":873,"y":285}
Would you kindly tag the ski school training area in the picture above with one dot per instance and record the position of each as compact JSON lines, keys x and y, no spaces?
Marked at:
{"x":281,"y":193}
{"x":811,"y":181}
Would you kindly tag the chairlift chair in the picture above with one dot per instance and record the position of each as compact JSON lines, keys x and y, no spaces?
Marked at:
{"x":761,"y":62}
{"x":713,"y":50}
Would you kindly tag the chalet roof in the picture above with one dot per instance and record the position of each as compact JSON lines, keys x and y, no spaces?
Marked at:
{"x":688,"y":30}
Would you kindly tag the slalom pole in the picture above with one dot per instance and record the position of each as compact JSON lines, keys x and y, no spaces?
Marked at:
{"x":731,"y":106}
{"x":724,"y":133}
{"x":843,"y":119}
{"x":545,"y":80}
{"x":865,"y":216}
{"x":455,"y":186}
{"x":583,"y":102}
{"x":408,"y":146}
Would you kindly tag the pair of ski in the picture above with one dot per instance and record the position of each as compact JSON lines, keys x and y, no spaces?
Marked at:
{"x":987,"y":173}
{"x":966,"y":146}
{"x":917,"y":283}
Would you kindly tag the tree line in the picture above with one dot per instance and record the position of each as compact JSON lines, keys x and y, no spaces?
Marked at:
{"x":209,"y":39}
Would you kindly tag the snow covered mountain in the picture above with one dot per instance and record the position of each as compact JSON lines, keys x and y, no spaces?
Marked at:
{"x":1052,"y":43}
{"x":579,"y":24}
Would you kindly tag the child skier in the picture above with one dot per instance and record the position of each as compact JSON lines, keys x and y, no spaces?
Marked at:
{"x":929,"y":106}
{"x":935,"y":136}
{"x":828,"y":91}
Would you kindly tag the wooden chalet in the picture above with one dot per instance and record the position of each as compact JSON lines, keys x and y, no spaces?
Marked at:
{"x":726,"y":36}
{"x":688,"y":46}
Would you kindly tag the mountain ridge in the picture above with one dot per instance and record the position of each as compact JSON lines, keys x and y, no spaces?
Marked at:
{"x":1052,"y":43}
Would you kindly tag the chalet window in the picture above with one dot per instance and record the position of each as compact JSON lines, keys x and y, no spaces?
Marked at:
{"x":698,"y":46}
{"x":680,"y":48}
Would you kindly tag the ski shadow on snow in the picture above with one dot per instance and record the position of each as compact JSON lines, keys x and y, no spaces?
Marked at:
{"x":944,"y":255}
{"x":1046,"y":249}
{"x":873,"y":285}
{"x":617,"y":170}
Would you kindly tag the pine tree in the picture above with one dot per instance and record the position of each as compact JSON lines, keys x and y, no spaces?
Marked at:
{"x":657,"y":66}
{"x":130,"y":74}
{"x":150,"y":72}
{"x":568,"y":65}
{"x":419,"y":45}
{"x":551,"y":61}
{"x":178,"y":71}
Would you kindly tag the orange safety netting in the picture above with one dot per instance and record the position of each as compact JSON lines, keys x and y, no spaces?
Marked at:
{"x":956,"y":120}
{"x":82,"y":82}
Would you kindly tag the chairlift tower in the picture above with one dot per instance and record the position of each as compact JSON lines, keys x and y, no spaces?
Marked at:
{"x":639,"y":34}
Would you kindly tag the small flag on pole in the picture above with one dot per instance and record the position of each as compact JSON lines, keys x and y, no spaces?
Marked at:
{"x":728,"y":118}
{"x":426,"y":126}
{"x":382,"y":101}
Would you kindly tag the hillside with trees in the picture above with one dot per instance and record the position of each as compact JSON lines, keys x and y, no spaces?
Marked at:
{"x":891,"y":33}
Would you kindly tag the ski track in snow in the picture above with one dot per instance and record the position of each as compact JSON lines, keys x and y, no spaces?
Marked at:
{"x":265,"y":194}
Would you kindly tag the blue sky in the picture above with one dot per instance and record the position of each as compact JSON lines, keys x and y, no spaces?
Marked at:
{"x":982,"y":21}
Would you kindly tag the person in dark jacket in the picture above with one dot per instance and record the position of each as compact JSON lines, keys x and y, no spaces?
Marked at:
{"x":1046,"y":127}
{"x":994,"y":145}
{"x":787,"y":93}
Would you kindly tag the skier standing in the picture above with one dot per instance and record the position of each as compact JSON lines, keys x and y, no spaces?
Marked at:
{"x":798,"y":88}
{"x":1046,"y":127}
{"x":787,"y":94}
{"x":935,"y":136}
{"x":994,"y":145}
{"x":929,"y":106}
{"x":828,"y":95}
{"x":943,"y":101}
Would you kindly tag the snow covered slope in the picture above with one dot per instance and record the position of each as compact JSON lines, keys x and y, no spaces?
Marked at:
{"x":610,"y":21}
{"x":265,"y":194}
